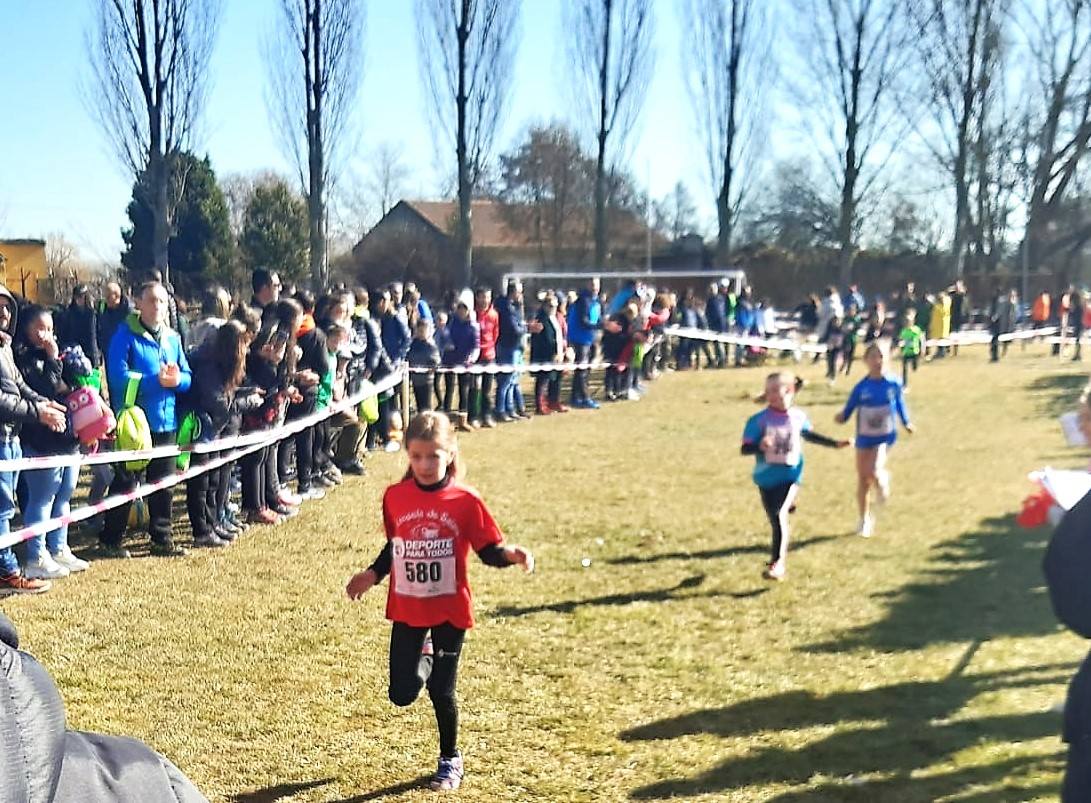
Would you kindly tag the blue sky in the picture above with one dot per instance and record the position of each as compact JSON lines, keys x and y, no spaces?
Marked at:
{"x":57,"y":173}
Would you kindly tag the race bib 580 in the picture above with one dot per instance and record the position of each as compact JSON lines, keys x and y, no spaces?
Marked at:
{"x":425,"y":567}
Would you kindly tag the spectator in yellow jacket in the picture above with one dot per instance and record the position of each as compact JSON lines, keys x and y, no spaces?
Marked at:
{"x":940,"y":325}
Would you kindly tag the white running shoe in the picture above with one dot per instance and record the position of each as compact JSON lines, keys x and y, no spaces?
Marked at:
{"x":775,"y":571}
{"x":69,"y":561}
{"x":45,"y":568}
{"x":867,"y":526}
{"x":633,"y":395}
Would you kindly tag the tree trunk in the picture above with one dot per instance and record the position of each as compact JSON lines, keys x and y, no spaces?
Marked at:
{"x":160,"y":208}
{"x":464,"y":229}
{"x":724,"y":213}
{"x":601,"y":234}
{"x":847,"y":254}
{"x":962,"y":145}
{"x":725,"y":220}
{"x":316,"y":189}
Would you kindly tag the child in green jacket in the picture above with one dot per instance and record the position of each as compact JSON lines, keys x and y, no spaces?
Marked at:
{"x":911,"y":339}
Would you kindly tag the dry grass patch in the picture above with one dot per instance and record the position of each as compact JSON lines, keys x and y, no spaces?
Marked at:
{"x":919,"y":665}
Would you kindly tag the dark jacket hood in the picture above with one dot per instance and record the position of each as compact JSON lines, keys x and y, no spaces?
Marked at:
{"x":14,"y":322}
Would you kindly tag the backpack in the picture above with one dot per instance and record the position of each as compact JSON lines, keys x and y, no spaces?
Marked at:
{"x":189,"y":431}
{"x":89,"y":416}
{"x":133,"y":431}
{"x":369,"y":407}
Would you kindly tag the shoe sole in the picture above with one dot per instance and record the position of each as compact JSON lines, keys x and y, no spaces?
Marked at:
{"x":17,"y":592}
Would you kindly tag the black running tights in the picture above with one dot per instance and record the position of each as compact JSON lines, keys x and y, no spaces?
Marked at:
{"x":410,"y":672}
{"x":777,"y":501}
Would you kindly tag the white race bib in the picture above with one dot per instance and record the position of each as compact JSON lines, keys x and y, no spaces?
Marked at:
{"x":786,"y":446}
{"x":876,"y":421}
{"x":425,"y":567}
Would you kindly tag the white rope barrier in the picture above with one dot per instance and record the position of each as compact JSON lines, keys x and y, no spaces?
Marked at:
{"x":202,"y":447}
{"x":236,"y":451}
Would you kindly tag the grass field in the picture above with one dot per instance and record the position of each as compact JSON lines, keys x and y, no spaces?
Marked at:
{"x":919,"y":665}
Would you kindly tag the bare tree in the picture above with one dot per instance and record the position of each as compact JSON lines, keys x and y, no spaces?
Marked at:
{"x":674,"y":216}
{"x":238,"y":189}
{"x":727,"y":49}
{"x":60,"y":254}
{"x":1058,"y":38}
{"x":958,"y":50}
{"x":315,"y":62}
{"x":612,"y":58}
{"x":854,"y":51}
{"x":546,"y":184}
{"x":467,"y":55}
{"x":388,"y":176}
{"x":150,"y":77}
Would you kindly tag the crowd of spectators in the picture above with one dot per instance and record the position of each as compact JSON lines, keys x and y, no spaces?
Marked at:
{"x":285,"y":355}
{"x":243,"y":367}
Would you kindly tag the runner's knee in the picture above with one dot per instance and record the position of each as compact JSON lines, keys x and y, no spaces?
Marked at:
{"x":403,"y":693}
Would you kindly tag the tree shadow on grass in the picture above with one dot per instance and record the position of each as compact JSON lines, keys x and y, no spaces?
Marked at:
{"x":932,"y":786}
{"x":271,"y":794}
{"x":677,"y":592}
{"x":1055,"y":394}
{"x":727,"y":552}
{"x":387,"y":791}
{"x":895,"y":730}
{"x":981,"y":585}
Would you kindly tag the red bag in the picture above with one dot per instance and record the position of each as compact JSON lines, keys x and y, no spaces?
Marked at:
{"x":1035,"y":510}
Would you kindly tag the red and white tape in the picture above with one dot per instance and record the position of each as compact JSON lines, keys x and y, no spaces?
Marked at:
{"x":263,"y":437}
{"x":971,"y":338}
{"x":270,"y":436}
{"x":509,"y":368}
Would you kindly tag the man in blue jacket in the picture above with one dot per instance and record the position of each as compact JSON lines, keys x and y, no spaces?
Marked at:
{"x":147,"y":351}
{"x":584,"y":320}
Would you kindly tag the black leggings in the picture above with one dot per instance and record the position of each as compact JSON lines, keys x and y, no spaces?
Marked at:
{"x":160,"y":503}
{"x":202,"y":514}
{"x":907,"y":360}
{"x":410,"y":672}
{"x":259,"y":489}
{"x":464,"y":382}
{"x":422,"y":394}
{"x":831,"y":362}
{"x":848,"y":355}
{"x":777,"y":501}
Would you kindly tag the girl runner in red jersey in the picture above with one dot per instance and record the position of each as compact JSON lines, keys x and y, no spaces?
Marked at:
{"x":432,"y":521}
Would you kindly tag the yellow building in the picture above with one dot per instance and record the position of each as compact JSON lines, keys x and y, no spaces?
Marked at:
{"x":23,"y":269}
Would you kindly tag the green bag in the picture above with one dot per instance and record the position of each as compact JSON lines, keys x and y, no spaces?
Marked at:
{"x":188,"y":432}
{"x":133,"y":431}
{"x":369,"y":407}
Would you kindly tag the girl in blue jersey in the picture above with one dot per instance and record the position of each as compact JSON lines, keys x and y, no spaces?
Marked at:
{"x":775,"y":437}
{"x":877,"y":399}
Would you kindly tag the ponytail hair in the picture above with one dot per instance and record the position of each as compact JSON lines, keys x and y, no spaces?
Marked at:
{"x":435,"y":428}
